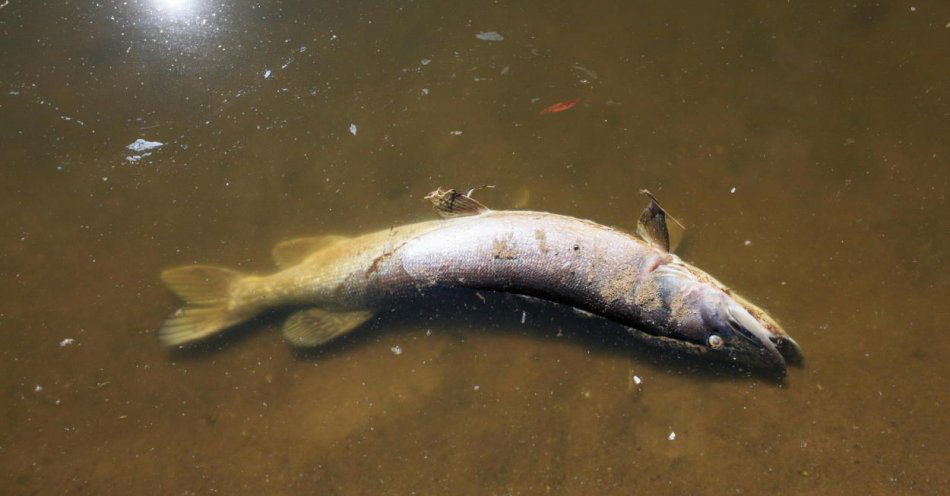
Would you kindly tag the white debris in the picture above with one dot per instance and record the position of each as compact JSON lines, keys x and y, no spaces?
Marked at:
{"x":426,"y":61}
{"x":524,"y":315}
{"x":397,"y":350}
{"x":136,"y":158}
{"x":733,"y":190}
{"x":266,"y":73}
{"x":38,"y":388}
{"x":425,"y":91}
{"x":353,"y":129}
{"x":489,"y":36}
{"x":505,"y":70}
{"x":476,"y":387}
{"x":142,"y":145}
{"x":672,"y":436}
{"x":456,"y":133}
{"x":747,"y":243}
{"x":637,"y":379}
{"x":66,"y":342}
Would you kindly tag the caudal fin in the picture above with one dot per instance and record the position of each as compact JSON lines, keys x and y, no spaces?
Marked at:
{"x":206,"y":292}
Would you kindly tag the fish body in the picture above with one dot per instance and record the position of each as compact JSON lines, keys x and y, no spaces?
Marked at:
{"x":339,"y":282}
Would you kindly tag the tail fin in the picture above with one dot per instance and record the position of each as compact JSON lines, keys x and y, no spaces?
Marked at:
{"x":205,"y":290}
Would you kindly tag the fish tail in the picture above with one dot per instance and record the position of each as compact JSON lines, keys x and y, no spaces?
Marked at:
{"x":209,"y":307}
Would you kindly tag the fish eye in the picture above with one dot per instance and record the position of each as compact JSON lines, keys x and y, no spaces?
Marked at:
{"x":715,"y":342}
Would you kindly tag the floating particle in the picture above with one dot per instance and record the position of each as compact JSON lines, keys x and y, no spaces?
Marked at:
{"x":66,"y":342}
{"x":637,"y":379}
{"x":733,"y":190}
{"x":672,"y":436}
{"x":397,"y":350}
{"x":425,"y":61}
{"x":476,"y":387}
{"x":591,"y":74}
{"x":456,"y":133}
{"x":142,"y":145}
{"x":560,"y":106}
{"x":524,"y":316}
{"x":747,"y":243}
{"x":38,"y":388}
{"x":353,"y":129}
{"x":489,"y":36}
{"x":266,"y":73}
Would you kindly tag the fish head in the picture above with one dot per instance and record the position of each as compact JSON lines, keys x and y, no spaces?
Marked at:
{"x":707,"y":317}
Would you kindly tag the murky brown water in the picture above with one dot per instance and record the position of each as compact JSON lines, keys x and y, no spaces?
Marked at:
{"x":830,"y":121}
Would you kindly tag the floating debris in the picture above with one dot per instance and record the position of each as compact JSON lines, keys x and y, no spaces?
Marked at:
{"x":524,"y":316}
{"x":136,"y":158}
{"x":489,"y":36}
{"x":589,"y":73}
{"x":476,"y":387}
{"x":266,"y":73}
{"x":38,"y":388}
{"x":353,"y":129}
{"x":426,"y":61}
{"x":747,"y":243}
{"x":397,"y":350}
{"x":456,"y":133}
{"x":733,"y":190}
{"x":66,"y":342}
{"x":142,"y":145}
{"x":560,"y":106}
{"x":425,"y":91}
{"x":637,"y":380}
{"x":505,"y":70}
{"x":672,"y":436}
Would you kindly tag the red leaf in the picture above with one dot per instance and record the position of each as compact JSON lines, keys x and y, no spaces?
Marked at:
{"x":560,"y":107}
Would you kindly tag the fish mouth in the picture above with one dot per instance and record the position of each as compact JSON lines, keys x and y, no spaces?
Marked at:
{"x":762,"y":346}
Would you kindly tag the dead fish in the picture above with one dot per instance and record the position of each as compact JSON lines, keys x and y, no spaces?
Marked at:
{"x":337,"y":283}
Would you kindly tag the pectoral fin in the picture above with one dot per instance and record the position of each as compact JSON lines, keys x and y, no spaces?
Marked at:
{"x":315,"y":326}
{"x":450,"y":203}
{"x":653,"y":226}
{"x":292,"y":252}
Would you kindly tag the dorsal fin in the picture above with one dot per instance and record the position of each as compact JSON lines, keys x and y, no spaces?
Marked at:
{"x":292,"y":252}
{"x":652,"y":225}
{"x":450,"y":203}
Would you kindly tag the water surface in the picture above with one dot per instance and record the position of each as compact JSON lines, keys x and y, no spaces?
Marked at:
{"x":804,"y":145}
